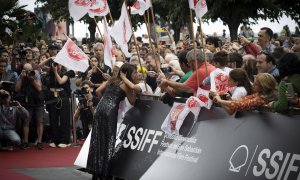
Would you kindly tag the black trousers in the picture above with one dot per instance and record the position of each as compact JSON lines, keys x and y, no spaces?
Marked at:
{"x":60,"y":120}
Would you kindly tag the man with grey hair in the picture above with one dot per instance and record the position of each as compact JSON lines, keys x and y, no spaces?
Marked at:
{"x":191,"y":84}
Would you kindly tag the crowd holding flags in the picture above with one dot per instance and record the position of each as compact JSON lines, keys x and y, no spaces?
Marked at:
{"x":178,"y":113}
{"x":122,"y":32}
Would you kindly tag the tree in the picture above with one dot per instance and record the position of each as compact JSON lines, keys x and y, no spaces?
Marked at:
{"x":10,"y":12}
{"x":291,"y":8}
{"x":177,"y":13}
{"x":231,"y":12}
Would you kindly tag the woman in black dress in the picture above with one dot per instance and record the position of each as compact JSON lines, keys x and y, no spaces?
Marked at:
{"x":102,"y":145}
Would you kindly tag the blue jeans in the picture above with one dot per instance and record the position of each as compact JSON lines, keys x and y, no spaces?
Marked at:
{"x":10,"y":136}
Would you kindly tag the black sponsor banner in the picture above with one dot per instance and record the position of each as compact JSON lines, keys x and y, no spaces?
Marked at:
{"x":252,"y":145}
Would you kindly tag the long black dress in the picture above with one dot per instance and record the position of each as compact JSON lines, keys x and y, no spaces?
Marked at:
{"x":104,"y":128}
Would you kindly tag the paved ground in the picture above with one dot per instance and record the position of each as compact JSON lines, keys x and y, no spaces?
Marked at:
{"x":57,"y":173}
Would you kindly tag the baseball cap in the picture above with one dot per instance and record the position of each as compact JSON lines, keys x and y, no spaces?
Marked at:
{"x":52,"y":46}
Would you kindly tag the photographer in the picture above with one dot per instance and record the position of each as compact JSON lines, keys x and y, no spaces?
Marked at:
{"x":6,"y":75}
{"x":29,"y":94}
{"x":58,"y":83}
{"x":86,"y":105}
{"x":9,"y":113}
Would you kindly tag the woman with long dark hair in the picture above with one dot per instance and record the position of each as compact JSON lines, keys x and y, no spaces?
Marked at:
{"x":103,"y":138}
{"x":241,"y":85}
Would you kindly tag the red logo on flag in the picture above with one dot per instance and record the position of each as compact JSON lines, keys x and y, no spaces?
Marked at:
{"x":74,"y":52}
{"x":203,"y":98}
{"x":195,"y":2}
{"x":137,"y":5}
{"x":192,"y":102}
{"x":82,"y":2}
{"x":221,"y":81}
{"x":99,"y":10}
{"x":124,"y":31}
{"x":203,"y":3}
{"x":175,"y":111}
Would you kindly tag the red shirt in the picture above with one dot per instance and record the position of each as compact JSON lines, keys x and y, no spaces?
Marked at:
{"x":192,"y":80}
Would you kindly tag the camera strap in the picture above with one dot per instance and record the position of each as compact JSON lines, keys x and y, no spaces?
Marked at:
{"x":54,"y":100}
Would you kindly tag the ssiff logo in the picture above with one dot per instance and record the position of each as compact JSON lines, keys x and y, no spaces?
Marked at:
{"x":238,"y":158}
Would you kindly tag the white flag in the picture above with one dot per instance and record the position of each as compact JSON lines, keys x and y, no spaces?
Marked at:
{"x":192,"y":4}
{"x":175,"y":118}
{"x":148,"y":4}
{"x":203,"y":96}
{"x":78,"y":8}
{"x":139,"y":7}
{"x":72,"y":57}
{"x":201,"y":8}
{"x":108,"y":47}
{"x":98,"y":8}
{"x":194,"y":105}
{"x":219,"y":80}
{"x":122,"y":32}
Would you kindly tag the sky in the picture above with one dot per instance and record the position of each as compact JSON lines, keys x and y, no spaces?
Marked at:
{"x":80,"y":29}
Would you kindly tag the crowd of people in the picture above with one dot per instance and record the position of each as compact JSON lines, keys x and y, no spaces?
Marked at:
{"x":32,"y":84}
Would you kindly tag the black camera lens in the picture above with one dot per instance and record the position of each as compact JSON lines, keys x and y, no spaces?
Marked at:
{"x":30,"y":73}
{"x":4,"y":96}
{"x":84,"y":90}
{"x":165,"y":69}
{"x":54,"y":64}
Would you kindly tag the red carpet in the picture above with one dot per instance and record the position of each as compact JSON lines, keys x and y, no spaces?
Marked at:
{"x":33,"y":158}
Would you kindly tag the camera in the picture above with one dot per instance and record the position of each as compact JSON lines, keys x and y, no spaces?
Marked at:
{"x":4,"y":96}
{"x":13,"y":103}
{"x":54,"y":64}
{"x":166,"y":69}
{"x":7,"y":85}
{"x":30,"y":73}
{"x":84,"y":90}
{"x":79,"y":93}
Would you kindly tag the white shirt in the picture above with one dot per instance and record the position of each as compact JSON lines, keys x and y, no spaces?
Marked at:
{"x":238,"y":92}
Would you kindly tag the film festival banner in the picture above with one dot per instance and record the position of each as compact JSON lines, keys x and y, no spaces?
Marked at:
{"x":251,"y":145}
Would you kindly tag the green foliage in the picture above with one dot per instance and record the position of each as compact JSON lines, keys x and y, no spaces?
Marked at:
{"x":8,"y":10}
{"x":231,"y":12}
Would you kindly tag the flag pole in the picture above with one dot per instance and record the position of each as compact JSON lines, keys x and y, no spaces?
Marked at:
{"x":150,"y":40}
{"x":111,"y":18}
{"x":98,"y":28}
{"x":148,"y":31}
{"x":194,"y":43}
{"x":156,"y":38}
{"x":203,"y":47}
{"x":136,"y":46}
